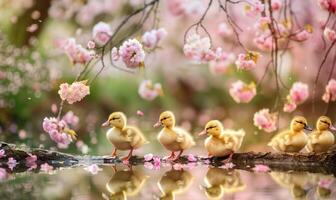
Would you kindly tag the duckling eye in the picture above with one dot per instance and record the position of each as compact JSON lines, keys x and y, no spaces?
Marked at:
{"x":325,"y":122}
{"x":211,"y":127}
{"x":301,"y":122}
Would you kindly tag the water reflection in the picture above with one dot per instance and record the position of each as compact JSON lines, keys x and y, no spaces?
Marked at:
{"x":219,"y":181}
{"x":125,"y":183}
{"x":174,"y":182}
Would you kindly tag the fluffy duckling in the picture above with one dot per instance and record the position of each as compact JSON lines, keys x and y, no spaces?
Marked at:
{"x":174,"y":182}
{"x":125,"y":183}
{"x":172,"y":137}
{"x":321,"y":139}
{"x":122,"y":136}
{"x":292,"y":140}
{"x":219,"y":181}
{"x":222,"y":142}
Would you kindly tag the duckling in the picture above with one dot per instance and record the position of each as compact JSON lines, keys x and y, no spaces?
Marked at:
{"x":222,"y":142}
{"x":292,"y":140}
{"x":172,"y":137}
{"x":321,"y":139}
{"x":125,"y":183}
{"x":219,"y":181}
{"x":174,"y":182}
{"x":122,"y":136}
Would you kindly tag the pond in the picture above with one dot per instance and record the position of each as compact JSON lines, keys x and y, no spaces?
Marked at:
{"x":167,"y":182}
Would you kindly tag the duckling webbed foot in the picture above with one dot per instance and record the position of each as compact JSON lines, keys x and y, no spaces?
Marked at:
{"x":178,"y":156}
{"x":229,"y":159}
{"x":114,"y":153}
{"x":126,"y":158}
{"x":171,"y":157}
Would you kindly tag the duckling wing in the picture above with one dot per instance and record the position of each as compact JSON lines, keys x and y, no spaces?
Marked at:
{"x":135,"y":136}
{"x":235,"y":136}
{"x":184,"y":136}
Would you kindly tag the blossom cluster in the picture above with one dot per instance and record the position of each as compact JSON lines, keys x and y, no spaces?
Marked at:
{"x":241,"y":92}
{"x":247,"y":61}
{"x":101,"y":33}
{"x":328,"y":5}
{"x":76,"y":52}
{"x":329,"y":34}
{"x":131,"y":52}
{"x":265,"y":120}
{"x":74,"y":92}
{"x":330,"y":91}
{"x":198,"y":49}
{"x":297,"y":95}
{"x":151,"y":39}
{"x":149,"y":91}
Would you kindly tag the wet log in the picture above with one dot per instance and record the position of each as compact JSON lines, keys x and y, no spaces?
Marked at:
{"x":315,"y":163}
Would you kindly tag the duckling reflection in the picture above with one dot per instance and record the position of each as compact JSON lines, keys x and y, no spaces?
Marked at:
{"x":295,"y":182}
{"x":125,"y":183}
{"x":322,"y":183}
{"x":174,"y":182}
{"x":219,"y":181}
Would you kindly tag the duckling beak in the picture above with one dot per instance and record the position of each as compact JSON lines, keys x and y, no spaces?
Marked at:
{"x":107,"y":123}
{"x":332,"y":128}
{"x":157,"y":124}
{"x":202,"y":133}
{"x":308,"y":128}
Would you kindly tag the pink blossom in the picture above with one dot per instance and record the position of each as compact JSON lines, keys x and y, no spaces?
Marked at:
{"x":247,"y":61}
{"x":93,"y":169}
{"x":46,"y":168}
{"x":302,"y":35}
{"x":148,"y":91}
{"x":328,"y":5}
{"x":325,"y":183}
{"x":152,"y":38}
{"x":255,"y":7}
{"x":198,"y":49}
{"x":261,"y":168}
{"x":224,"y":30}
{"x":191,"y":165}
{"x":241,"y":92}
{"x":157,"y":162}
{"x":115,"y":54}
{"x":330,"y":91}
{"x":77,"y":53}
{"x":264,"y":42}
{"x":148,"y":165}
{"x":148,"y":157}
{"x":192,"y":158}
{"x":91,"y":45}
{"x":11,"y":163}
{"x":74,"y":92}
{"x":101,"y":33}
{"x":276,"y":5}
{"x":289,"y":107}
{"x":54,"y":108}
{"x":222,"y":63}
{"x":140,"y":113}
{"x":3,"y":174}
{"x":71,"y":119}
{"x":329,"y":34}
{"x":132,"y":53}
{"x":125,"y":162}
{"x":31,"y":159}
{"x":177,"y":166}
{"x":265,"y":120}
{"x":22,"y":134}
{"x":298,"y":93}
{"x":2,"y":153}
{"x":229,"y":165}
{"x":57,"y":131}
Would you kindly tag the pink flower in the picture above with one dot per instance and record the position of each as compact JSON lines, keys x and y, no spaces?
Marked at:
{"x":265,"y":120}
{"x":54,"y":108}
{"x":148,"y":157}
{"x":329,"y":34}
{"x":276,"y":5}
{"x":115,"y":54}
{"x":91,"y":45}
{"x":247,"y":61}
{"x":198,"y":49}
{"x":241,"y":92}
{"x":31,"y":159}
{"x":289,"y":107}
{"x":222,"y":63}
{"x":255,"y":7}
{"x":93,"y":169}
{"x":328,"y":5}
{"x":330,"y":91}
{"x":132,"y":53}
{"x":192,"y":158}
{"x":298,"y":93}
{"x":177,"y":166}
{"x":191,"y":165}
{"x":3,"y":174}
{"x":157,"y":162}
{"x":57,"y":131}
{"x":224,"y":30}
{"x":11,"y":163}
{"x":77,"y":53}
{"x":140,"y":113}
{"x":229,"y":165}
{"x":101,"y":33}
{"x":302,"y":36}
{"x":2,"y":153}
{"x":46,"y":168}
{"x":325,"y":183}
{"x":261,"y":168}
{"x":148,"y":91}
{"x":152,"y":38}
{"x":264,"y":42}
{"x":71,"y":119}
{"x":148,"y":165}
{"x":74,"y":92}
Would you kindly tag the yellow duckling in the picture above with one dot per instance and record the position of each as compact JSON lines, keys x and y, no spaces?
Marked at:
{"x":123,"y":137}
{"x":125,"y":183}
{"x":321,"y":139}
{"x":174,"y":182}
{"x":219,"y":181}
{"x":222,"y":142}
{"x":172,"y":137}
{"x":292,"y":140}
